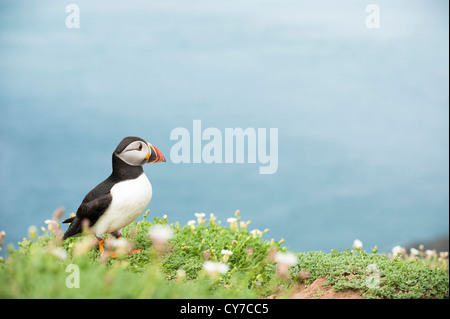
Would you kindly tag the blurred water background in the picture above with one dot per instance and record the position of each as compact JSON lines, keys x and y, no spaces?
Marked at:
{"x":363,"y":114}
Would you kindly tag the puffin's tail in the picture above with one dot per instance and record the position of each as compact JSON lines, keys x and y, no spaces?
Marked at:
{"x":74,"y":227}
{"x":68,"y":220}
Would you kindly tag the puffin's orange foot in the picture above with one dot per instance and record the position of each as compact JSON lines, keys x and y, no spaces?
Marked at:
{"x":104,"y":252}
{"x":134,"y":251}
{"x":100,"y":247}
{"x":115,"y":255}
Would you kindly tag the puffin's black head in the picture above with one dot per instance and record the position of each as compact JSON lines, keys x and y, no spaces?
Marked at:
{"x":136,"y":152}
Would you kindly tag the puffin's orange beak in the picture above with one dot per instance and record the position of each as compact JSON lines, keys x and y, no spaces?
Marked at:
{"x":154,"y":157}
{"x":159,"y":156}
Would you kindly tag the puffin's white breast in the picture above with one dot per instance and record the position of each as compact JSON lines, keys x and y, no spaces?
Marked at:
{"x":129,"y":199}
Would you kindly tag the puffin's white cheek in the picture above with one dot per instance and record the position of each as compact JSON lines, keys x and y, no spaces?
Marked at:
{"x":132,"y":157}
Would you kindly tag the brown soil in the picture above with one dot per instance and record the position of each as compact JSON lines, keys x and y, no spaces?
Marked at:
{"x":316,"y":290}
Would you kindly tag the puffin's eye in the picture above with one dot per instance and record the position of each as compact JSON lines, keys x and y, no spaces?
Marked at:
{"x":140,"y":147}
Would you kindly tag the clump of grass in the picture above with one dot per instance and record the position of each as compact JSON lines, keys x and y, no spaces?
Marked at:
{"x":204,"y":259}
{"x":375,"y":275}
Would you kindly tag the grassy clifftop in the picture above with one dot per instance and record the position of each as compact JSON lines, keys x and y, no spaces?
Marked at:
{"x":209,"y":259}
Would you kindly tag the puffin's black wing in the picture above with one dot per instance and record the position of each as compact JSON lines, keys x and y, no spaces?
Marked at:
{"x":94,"y":209}
{"x":90,"y":210}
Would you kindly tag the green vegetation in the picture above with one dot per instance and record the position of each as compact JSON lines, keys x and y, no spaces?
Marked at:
{"x":204,"y":259}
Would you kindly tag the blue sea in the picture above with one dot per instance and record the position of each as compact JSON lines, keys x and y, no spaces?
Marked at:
{"x":362,"y":113}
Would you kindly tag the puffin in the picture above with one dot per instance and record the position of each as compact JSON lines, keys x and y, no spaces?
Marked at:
{"x":122,"y":197}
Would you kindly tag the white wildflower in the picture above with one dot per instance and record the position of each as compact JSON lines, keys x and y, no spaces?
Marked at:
{"x":119,"y":243}
{"x":429,"y":252}
{"x":226,"y":254}
{"x":122,"y":246}
{"x":213,"y":269}
{"x":357,"y":244}
{"x":233,"y":223}
{"x":397,"y":250}
{"x":160,"y":232}
{"x":413,"y":251}
{"x":160,"y":235}
{"x":200,"y":217}
{"x":191,"y":223}
{"x":59,"y":253}
{"x":82,"y":247}
{"x":286,"y":258}
{"x":256,"y":233}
